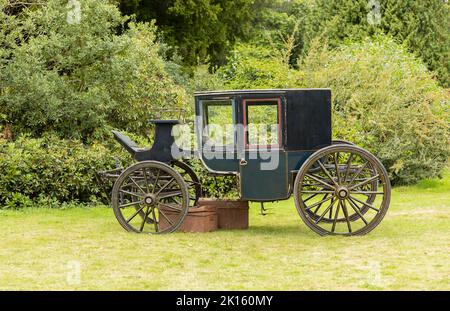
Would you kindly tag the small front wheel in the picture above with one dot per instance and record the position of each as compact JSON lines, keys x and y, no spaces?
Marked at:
{"x":342,"y":189}
{"x":150,"y":197}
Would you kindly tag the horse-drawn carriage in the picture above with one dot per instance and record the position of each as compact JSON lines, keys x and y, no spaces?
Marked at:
{"x":277,"y":142}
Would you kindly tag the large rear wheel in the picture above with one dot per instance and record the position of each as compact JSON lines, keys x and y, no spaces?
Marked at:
{"x":342,"y":189}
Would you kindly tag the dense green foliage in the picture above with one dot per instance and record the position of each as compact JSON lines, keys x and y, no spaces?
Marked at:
{"x":384,"y":99}
{"x":255,"y":67}
{"x":51,"y":170}
{"x":423,"y":25}
{"x":78,"y":79}
{"x":199,"y":29}
{"x":66,"y":80}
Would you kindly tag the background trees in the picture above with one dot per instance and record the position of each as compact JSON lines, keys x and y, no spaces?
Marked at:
{"x":199,"y":30}
{"x":422,"y":25}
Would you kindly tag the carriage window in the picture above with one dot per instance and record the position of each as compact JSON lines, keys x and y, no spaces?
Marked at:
{"x":262,"y":122}
{"x":218,"y":122}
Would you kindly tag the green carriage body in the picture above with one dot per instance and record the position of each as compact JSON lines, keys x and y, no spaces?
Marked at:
{"x":304,"y":126}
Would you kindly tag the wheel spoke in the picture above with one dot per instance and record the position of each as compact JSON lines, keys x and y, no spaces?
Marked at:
{"x":320,"y":202}
{"x":310,"y":197}
{"x":155,"y":221}
{"x":364,"y":182}
{"x":166,"y":195}
{"x":357,"y":210}
{"x":317,"y":191}
{"x":349,"y":162}
{"x":320,"y":181}
{"x":320,"y":205}
{"x":135,"y":194}
{"x":130,"y":204}
{"x":167,"y":218}
{"x":134,"y":182}
{"x":366,"y":204}
{"x":146,"y":179}
{"x":156,"y":182}
{"x":134,"y":215}
{"x":174,"y":200}
{"x":367,"y":192}
{"x":326,"y":210}
{"x":358,"y":172}
{"x":327,"y":173}
{"x":344,"y":209}
{"x":313,"y":185}
{"x":335,"y":218}
{"x":336,"y":156}
{"x":170,"y":206}
{"x":144,"y":220}
{"x":165,"y":186}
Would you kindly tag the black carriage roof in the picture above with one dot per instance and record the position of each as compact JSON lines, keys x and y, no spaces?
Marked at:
{"x":257,"y":91}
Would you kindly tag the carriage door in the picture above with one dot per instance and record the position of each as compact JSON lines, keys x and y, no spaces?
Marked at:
{"x":263,"y":167}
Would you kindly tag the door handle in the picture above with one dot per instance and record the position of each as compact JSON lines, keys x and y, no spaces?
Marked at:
{"x":243,"y":162}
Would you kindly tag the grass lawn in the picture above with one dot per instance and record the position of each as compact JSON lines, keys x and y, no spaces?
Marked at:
{"x":41,"y":249}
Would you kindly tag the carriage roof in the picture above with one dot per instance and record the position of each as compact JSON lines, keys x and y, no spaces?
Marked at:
{"x":257,"y":91}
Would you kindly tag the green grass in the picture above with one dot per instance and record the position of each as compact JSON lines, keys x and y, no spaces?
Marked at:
{"x":410,"y":249}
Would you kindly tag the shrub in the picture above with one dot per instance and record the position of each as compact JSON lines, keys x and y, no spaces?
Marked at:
{"x":256,"y":67}
{"x":51,"y":171}
{"x":79,"y":78}
{"x":386,"y":100}
{"x":421,"y":25}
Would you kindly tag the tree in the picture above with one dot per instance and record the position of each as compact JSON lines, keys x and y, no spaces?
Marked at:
{"x":79,"y":75}
{"x":201,"y":30}
{"x":423,"y":25}
{"x":385,"y":100}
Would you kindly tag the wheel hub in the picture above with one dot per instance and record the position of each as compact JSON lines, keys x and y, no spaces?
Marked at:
{"x":342,"y":192}
{"x":149,"y":199}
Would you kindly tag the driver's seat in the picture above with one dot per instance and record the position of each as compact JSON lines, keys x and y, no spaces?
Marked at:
{"x":162,"y":145}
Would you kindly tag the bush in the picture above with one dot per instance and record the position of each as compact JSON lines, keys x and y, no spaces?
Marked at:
{"x":253,"y":67}
{"x":386,"y":100}
{"x":80,"y":78}
{"x":51,"y":171}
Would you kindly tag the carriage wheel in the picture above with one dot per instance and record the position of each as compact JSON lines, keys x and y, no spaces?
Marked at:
{"x":191,"y":179}
{"x":155,"y":192}
{"x":372,"y":186}
{"x":334,"y":191}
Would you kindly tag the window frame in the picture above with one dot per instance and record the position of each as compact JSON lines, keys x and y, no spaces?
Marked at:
{"x":248,"y":101}
{"x":205,"y":118}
